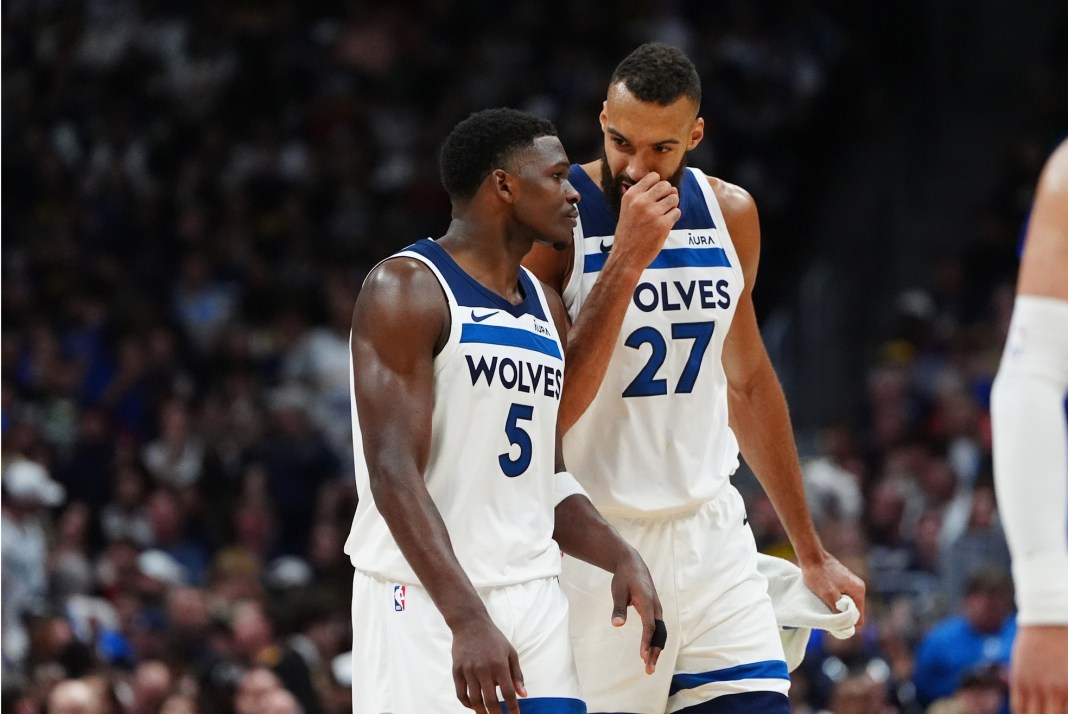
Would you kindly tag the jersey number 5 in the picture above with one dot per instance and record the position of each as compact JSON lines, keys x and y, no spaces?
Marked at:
{"x":647,"y":384}
{"x":517,"y":435}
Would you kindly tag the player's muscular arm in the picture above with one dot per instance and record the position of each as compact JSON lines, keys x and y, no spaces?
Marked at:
{"x":399,"y":321}
{"x":760,"y":418}
{"x":649,"y":210}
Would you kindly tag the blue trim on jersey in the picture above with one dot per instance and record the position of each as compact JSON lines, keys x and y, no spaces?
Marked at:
{"x":669,"y":258}
{"x":510,"y":336}
{"x":768,"y":669}
{"x":548,"y":705}
{"x":742,"y":703}
{"x":599,"y":220}
{"x":471,"y":293}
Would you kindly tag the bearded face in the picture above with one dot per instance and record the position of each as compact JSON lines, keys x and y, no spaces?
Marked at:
{"x":613,"y":186}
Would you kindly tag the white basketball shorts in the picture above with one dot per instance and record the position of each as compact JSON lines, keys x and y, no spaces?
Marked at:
{"x":402,"y":648}
{"x":723,"y":651}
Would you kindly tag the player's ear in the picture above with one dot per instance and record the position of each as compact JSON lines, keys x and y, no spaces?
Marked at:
{"x":604,"y":115}
{"x":696,"y":133}
{"x":502,"y":184}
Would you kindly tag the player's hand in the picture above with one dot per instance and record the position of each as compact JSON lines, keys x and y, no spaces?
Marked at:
{"x":1038,"y":679}
{"x":830,"y":580}
{"x":648,"y":210}
{"x":482,"y":661}
{"x":632,"y":586}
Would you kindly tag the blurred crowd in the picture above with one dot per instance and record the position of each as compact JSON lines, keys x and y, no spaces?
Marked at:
{"x":192,"y":194}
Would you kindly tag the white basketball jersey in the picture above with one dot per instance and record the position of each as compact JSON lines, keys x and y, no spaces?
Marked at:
{"x":656,"y":438}
{"x":492,"y":455}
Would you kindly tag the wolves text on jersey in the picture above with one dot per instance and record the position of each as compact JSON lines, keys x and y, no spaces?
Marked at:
{"x":517,"y":374}
{"x":678,"y":295}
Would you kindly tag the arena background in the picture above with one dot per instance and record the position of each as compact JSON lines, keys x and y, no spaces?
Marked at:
{"x":193,"y":191}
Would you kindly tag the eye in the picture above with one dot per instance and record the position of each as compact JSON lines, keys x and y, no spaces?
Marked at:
{"x":618,"y":141}
{"x":663,"y":149}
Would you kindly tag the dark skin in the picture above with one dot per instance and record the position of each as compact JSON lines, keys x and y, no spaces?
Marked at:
{"x":400,"y":322}
{"x":644,"y":142}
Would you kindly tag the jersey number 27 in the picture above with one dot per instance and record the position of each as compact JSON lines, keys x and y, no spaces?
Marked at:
{"x":646,"y":383}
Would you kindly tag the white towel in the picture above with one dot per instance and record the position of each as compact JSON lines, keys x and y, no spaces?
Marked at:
{"x":798,"y":610}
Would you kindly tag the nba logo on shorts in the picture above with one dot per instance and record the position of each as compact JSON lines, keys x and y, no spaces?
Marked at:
{"x":399,"y":596}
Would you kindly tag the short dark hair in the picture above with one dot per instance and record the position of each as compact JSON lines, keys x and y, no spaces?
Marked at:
{"x":485,"y":141}
{"x":658,"y":72}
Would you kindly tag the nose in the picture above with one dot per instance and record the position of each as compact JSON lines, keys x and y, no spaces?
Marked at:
{"x":637,"y":168}
{"x":571,"y":195}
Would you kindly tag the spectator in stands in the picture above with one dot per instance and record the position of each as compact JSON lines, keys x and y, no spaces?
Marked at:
{"x":981,"y":634}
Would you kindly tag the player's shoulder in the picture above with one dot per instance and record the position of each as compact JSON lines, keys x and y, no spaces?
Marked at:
{"x":734,"y":201}
{"x":401,"y":283}
{"x":397,"y":271}
{"x":402,"y":306}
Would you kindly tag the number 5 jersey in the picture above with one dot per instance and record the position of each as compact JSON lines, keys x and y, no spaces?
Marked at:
{"x":491,"y":469}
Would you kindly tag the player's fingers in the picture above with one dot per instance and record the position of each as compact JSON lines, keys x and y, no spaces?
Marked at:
{"x":652,"y":658}
{"x":484,"y":696}
{"x":857,"y":591}
{"x":460,"y":682}
{"x":619,"y":608}
{"x":669,"y":201}
{"x":509,"y":702}
{"x":662,"y":192}
{"x":648,"y":608}
{"x":647,"y":181}
{"x":499,"y":678}
{"x":482,"y":690}
{"x":517,"y":674}
{"x":829,"y":594}
{"x":651,"y":650}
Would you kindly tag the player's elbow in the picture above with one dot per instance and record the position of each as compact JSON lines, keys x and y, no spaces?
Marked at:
{"x":758,"y":377}
{"x":391,"y":481}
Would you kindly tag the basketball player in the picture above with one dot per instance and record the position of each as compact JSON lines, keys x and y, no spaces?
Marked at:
{"x":457,"y":359}
{"x":667,"y":376}
{"x":1031,"y":450}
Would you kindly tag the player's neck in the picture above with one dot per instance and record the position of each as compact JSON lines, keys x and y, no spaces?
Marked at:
{"x":486,"y":256}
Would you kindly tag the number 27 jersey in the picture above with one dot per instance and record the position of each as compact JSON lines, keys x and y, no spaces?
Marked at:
{"x":656,"y":437}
